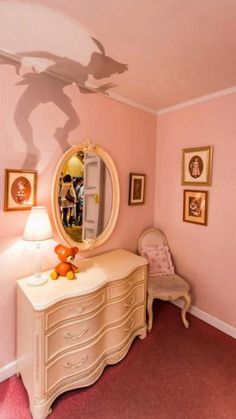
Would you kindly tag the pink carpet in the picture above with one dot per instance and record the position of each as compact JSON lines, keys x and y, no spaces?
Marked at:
{"x":174,"y":373}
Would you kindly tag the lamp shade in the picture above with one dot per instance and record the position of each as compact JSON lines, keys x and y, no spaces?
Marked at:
{"x":38,"y":226}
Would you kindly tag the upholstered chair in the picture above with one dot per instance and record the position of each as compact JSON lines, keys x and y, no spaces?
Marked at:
{"x":163,"y":282}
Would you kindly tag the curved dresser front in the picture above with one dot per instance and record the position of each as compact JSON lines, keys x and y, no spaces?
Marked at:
{"x":68,"y":331}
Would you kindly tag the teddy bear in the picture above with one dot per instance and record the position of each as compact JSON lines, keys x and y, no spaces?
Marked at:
{"x":65,"y":268}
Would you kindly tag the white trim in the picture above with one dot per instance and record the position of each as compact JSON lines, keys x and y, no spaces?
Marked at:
{"x":7,"y":371}
{"x":131,"y":102}
{"x":208,"y":318}
{"x":10,"y":369}
{"x":110,"y":94}
{"x":201,"y":99}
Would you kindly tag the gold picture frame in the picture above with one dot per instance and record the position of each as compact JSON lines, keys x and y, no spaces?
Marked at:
{"x":20,"y":189}
{"x":195,"y":206}
{"x":197,"y":166}
{"x":136,"y":188}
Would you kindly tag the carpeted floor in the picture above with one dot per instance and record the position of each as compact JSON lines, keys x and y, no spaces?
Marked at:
{"x":174,"y":373}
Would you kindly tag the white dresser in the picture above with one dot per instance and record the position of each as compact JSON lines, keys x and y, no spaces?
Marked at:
{"x":68,"y":331}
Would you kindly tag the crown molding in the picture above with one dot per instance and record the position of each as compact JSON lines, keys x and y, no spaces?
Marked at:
{"x":200,"y":99}
{"x":110,"y":94}
{"x":132,"y":103}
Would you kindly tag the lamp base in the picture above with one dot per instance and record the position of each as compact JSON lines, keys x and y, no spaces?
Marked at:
{"x":35,"y":281}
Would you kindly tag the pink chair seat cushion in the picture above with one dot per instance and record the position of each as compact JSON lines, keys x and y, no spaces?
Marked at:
{"x":159,"y":258}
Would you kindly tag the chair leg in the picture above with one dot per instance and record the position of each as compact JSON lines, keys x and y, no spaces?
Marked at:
{"x":150,"y":313}
{"x":185,"y":309}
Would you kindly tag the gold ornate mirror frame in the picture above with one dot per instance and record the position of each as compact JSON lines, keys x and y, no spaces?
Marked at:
{"x":86,"y":146}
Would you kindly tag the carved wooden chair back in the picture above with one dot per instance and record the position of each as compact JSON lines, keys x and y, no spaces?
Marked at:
{"x":151,"y":237}
{"x":168,"y":286}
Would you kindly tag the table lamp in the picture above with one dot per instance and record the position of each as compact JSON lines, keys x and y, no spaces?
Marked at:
{"x":37,"y":229}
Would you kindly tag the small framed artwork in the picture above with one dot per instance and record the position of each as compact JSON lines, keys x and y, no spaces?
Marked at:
{"x":195,"y":207}
{"x":20,"y":189}
{"x":197,"y":166}
{"x":136,"y":188}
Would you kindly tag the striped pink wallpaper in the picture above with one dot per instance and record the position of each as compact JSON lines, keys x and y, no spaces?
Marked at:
{"x":126,"y":133}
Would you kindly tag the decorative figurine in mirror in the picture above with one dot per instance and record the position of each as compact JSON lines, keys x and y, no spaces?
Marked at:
{"x":85,"y":198}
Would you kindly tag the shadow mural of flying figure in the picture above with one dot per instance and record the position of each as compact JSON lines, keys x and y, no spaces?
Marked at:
{"x":41,"y":90}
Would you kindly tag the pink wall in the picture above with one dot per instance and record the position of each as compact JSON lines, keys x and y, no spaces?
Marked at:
{"x":203,"y":254}
{"x":126,"y":133}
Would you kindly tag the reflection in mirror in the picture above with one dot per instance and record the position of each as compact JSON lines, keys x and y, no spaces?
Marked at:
{"x":85,"y":199}
{"x":85,"y":196}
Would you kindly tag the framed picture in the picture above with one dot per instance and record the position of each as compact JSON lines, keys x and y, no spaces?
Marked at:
{"x":136,"y":189}
{"x":197,"y":166}
{"x":20,"y":189}
{"x":195,"y":207}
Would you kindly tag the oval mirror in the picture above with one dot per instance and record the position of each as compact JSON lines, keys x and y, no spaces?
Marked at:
{"x":85,"y":196}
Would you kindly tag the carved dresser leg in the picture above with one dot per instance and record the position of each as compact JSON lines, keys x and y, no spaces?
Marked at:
{"x":143,"y":334}
{"x":185,"y":309}
{"x":41,"y":411}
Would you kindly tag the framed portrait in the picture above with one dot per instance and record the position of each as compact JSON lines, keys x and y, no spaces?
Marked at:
{"x":197,"y":166}
{"x":136,"y":188}
{"x":195,"y":207}
{"x":20,"y":189}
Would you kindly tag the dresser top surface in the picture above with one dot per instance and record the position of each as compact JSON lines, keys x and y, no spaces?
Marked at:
{"x":93,"y":273}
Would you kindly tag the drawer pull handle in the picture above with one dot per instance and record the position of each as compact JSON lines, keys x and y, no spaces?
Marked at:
{"x":78,"y":336}
{"x":127,"y":329}
{"x":78,"y":365}
{"x":130,"y":303}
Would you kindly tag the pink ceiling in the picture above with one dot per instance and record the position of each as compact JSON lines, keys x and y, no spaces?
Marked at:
{"x":176,"y":50}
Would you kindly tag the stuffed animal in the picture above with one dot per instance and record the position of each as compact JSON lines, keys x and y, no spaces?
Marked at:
{"x":65,"y":268}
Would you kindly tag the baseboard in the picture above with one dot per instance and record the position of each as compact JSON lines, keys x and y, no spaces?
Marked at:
{"x":213,"y":321}
{"x":10,"y":369}
{"x":7,"y":371}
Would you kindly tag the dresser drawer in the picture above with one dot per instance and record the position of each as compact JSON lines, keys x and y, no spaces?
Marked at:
{"x":79,"y":332}
{"x":76,"y":307}
{"x":84,"y":360}
{"x":124,"y":286}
